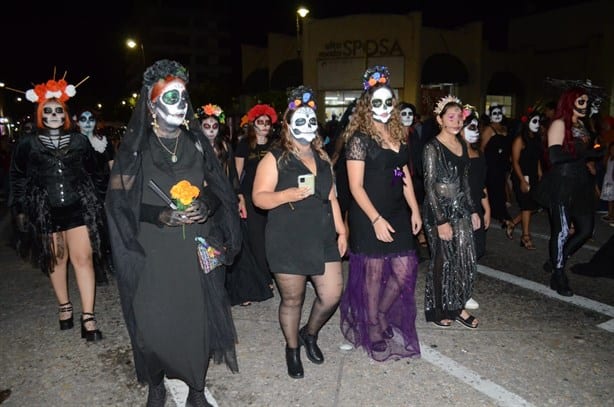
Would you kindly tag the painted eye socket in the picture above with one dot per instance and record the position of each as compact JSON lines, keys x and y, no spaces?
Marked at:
{"x":171,"y":97}
{"x":213,"y":126}
{"x":84,"y":119}
{"x":472,"y":127}
{"x":581,"y":102}
{"x":50,"y":110}
{"x":405,"y":114}
{"x":378,"y":102}
{"x":261,"y":122}
{"x":300,"y":121}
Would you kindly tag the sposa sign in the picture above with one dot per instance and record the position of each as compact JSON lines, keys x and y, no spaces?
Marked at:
{"x":355,"y":48}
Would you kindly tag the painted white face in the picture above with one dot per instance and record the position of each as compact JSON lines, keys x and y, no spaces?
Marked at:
{"x":381,"y":105}
{"x":595,"y":106}
{"x":496,"y":116}
{"x":581,"y":105}
{"x":172,"y":106}
{"x":54,"y":115}
{"x":534,"y":124}
{"x":407,"y":117}
{"x":262,"y":124}
{"x":471,"y":132}
{"x":211,"y":128}
{"x":86,"y":123}
{"x":304,"y":125}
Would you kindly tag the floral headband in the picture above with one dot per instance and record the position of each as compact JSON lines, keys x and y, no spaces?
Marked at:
{"x":444,"y":101}
{"x":301,"y":96}
{"x":261,"y":110}
{"x":531,"y":112}
{"x":375,"y":75}
{"x":211,"y":110}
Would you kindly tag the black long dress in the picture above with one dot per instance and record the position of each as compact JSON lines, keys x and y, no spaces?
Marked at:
{"x":497,"y":153}
{"x":449,"y":281}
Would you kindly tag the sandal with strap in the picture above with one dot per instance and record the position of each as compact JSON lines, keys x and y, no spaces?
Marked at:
{"x":89,"y":335}
{"x":527,"y":242}
{"x":66,"y":323}
{"x":509,"y":229}
{"x":469,"y":322}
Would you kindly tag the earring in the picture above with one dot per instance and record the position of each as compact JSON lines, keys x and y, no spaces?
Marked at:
{"x":186,"y":123}
{"x":154,"y":123}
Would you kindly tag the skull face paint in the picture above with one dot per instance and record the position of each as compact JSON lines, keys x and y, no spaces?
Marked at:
{"x":381,"y":104}
{"x":580,"y":105}
{"x":595,"y":106}
{"x":496,"y":115}
{"x":407,"y":117}
{"x":471,"y":132}
{"x":86,"y":123}
{"x":171,"y":106}
{"x":262,"y":124}
{"x":304,"y":125}
{"x":211,"y":128}
{"x":534,"y":124}
{"x":54,"y":114}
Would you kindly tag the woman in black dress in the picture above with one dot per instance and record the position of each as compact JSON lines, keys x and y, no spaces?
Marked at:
{"x":526,"y":172}
{"x":378,"y":309}
{"x":305,"y":233}
{"x":178,"y":317}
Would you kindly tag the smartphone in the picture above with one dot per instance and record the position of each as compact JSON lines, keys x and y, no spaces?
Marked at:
{"x":307,"y":180}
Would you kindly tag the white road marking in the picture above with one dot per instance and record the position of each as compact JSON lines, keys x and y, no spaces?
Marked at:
{"x":578,"y":300}
{"x":493,"y":390}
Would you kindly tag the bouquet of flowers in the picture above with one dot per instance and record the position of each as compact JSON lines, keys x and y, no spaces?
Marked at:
{"x":183,"y":194}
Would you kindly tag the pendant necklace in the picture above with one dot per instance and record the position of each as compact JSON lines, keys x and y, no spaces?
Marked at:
{"x":174,"y":152}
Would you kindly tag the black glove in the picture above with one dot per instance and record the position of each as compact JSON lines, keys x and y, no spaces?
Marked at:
{"x":21,"y":222}
{"x":198,"y":211}
{"x":171,"y":217}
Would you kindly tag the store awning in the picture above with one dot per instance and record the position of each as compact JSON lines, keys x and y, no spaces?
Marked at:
{"x":288,"y":74}
{"x":257,"y":81}
{"x":504,"y":83}
{"x":443,"y":68}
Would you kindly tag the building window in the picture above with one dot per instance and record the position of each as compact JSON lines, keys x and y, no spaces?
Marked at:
{"x":501,"y":100}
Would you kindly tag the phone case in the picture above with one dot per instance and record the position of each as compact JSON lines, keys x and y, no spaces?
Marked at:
{"x":307,"y":180}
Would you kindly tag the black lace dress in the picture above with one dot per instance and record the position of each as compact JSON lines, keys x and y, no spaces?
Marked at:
{"x":452,"y":268}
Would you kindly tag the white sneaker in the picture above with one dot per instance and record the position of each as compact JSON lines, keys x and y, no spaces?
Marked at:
{"x":472,"y":304}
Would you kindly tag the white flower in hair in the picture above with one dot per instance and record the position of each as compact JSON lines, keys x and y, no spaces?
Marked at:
{"x":444,"y":101}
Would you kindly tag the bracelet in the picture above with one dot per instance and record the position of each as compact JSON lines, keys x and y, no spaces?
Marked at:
{"x":378,"y":217}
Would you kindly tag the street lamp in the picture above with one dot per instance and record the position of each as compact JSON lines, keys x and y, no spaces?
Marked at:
{"x":302,"y":13}
{"x":130,"y":43}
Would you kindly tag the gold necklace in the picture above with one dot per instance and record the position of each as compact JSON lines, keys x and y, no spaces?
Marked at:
{"x":174,"y":152}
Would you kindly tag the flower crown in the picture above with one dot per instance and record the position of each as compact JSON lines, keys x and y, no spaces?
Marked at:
{"x":211,"y":110}
{"x":164,"y":70}
{"x":260,"y":110}
{"x":301,"y":96}
{"x":374,"y":75}
{"x":444,"y":101}
{"x":531,"y":112}
{"x":244,"y":120}
{"x":60,"y":90}
{"x":470,"y":110}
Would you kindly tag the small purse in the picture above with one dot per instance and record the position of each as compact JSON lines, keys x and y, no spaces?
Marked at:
{"x":208,"y":256}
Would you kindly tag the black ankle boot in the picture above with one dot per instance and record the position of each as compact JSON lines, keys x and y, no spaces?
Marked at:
{"x":93,"y":335}
{"x":67,"y":323}
{"x":156,"y":396}
{"x":314,"y":354}
{"x":559,"y":282}
{"x":293,"y":360}
{"x":196,"y":399}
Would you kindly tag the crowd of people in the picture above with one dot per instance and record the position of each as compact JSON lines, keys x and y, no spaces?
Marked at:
{"x":283,"y":205}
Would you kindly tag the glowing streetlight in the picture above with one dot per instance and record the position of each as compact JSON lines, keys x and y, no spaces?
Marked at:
{"x":132,"y":44}
{"x":301,"y":12}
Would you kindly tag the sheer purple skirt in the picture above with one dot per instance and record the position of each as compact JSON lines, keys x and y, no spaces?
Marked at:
{"x":378,"y":306}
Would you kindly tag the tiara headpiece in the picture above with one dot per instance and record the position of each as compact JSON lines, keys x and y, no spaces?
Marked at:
{"x":444,"y":101}
{"x":260,"y":110}
{"x":375,"y":75}
{"x":301,"y":96}
{"x":211,"y":110}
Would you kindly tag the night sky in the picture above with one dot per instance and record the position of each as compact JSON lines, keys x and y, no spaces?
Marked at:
{"x":89,"y":39}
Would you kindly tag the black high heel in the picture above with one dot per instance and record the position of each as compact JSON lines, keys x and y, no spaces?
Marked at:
{"x":197,"y":399}
{"x":560,"y":284}
{"x":312,"y":350}
{"x":69,"y":322}
{"x":293,"y":361}
{"x":387,"y":333}
{"x":93,"y":335}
